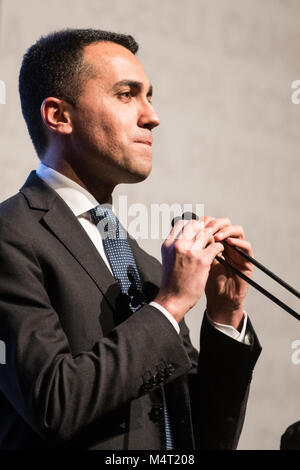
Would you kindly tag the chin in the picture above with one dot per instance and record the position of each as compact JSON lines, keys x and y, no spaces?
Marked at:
{"x":137,"y":177}
{"x":138,"y":173}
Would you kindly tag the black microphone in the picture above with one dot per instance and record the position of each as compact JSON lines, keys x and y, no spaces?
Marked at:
{"x":185,"y":216}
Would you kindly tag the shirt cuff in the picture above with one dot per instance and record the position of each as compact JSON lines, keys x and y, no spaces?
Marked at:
{"x":241,"y":336}
{"x":167,"y":315}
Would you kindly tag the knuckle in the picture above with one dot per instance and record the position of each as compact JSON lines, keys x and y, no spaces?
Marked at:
{"x":179,"y":247}
{"x":192,"y":223}
{"x":167,"y":243}
{"x":177,"y":244}
{"x":180,"y":224}
{"x":197,"y":224}
{"x":208,"y":220}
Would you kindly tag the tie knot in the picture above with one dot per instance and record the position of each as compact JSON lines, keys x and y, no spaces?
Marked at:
{"x":107,"y":222}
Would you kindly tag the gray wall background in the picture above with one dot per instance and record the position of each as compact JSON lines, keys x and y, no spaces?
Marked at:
{"x":230,"y":138}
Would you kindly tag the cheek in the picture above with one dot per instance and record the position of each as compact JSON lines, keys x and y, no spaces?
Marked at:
{"x":107,"y":126}
{"x":115,"y":128}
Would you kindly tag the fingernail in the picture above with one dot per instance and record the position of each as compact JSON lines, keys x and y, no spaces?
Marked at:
{"x":220,"y":235}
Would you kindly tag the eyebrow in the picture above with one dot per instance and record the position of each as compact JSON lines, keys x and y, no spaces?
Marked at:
{"x":133,"y":84}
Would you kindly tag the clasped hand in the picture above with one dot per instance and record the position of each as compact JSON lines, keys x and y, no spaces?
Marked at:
{"x":190,"y":268}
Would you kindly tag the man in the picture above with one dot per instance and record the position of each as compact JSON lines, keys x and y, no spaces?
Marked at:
{"x":98,"y":353}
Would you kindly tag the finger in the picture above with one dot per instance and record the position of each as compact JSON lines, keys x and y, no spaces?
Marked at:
{"x":243,"y":244}
{"x":206,"y":219}
{"x":231,"y":231}
{"x":204,"y":237}
{"x":191,"y":229}
{"x":219,"y":224}
{"x":176,"y":230}
{"x":213,"y":250}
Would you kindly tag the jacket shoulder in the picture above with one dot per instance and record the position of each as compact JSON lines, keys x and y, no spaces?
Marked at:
{"x":13,"y":208}
{"x":28,"y":205}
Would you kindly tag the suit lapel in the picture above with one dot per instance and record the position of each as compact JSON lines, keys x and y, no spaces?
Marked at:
{"x":61,"y":221}
{"x":65,"y":226}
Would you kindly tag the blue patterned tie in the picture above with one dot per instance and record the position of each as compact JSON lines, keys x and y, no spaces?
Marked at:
{"x":123,"y":266}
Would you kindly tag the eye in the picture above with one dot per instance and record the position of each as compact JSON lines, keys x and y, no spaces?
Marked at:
{"x":125,"y":95}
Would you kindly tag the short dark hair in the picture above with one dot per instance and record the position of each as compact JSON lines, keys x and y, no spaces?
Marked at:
{"x":54,"y":66}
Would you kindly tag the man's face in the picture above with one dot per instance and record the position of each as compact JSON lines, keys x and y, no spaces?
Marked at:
{"x":114,"y":117}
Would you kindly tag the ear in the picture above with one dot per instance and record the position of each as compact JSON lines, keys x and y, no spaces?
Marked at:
{"x":56,"y":116}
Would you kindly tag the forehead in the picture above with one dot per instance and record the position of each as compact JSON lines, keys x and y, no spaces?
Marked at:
{"x":114,"y":63}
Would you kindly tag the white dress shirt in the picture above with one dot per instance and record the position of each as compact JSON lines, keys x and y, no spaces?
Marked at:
{"x":80,"y":201}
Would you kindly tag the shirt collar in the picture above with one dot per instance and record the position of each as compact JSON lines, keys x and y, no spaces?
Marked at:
{"x":75,"y":196}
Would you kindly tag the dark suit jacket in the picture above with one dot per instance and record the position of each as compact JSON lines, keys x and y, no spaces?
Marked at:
{"x":80,"y":373}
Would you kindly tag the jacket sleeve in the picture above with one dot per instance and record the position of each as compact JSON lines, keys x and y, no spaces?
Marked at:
{"x":56,"y":393}
{"x":219,"y":383}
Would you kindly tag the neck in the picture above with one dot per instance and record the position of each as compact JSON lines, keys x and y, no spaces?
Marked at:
{"x":101,"y":191}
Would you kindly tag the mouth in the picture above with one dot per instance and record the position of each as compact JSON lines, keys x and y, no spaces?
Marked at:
{"x":144,"y":142}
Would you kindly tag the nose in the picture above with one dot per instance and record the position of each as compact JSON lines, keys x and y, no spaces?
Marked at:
{"x":148,"y":117}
